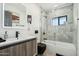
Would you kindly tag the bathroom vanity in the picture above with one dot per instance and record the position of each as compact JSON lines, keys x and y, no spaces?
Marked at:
{"x":15,"y":17}
{"x":20,"y":47}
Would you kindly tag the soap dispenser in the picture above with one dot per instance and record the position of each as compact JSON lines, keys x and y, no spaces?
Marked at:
{"x":5,"y":35}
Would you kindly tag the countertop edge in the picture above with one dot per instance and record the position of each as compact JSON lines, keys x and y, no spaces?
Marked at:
{"x":4,"y":44}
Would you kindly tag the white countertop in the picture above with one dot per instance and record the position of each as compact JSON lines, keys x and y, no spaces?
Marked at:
{"x":10,"y":41}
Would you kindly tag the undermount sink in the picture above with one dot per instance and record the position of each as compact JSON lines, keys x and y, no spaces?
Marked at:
{"x":2,"y":40}
{"x":11,"y":39}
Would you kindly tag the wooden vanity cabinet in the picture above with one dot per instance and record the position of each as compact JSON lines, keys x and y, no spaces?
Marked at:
{"x":34,"y":50}
{"x":17,"y":50}
{"x":4,"y":52}
{"x":31,"y":48}
{"x":22,"y":49}
{"x":27,"y":48}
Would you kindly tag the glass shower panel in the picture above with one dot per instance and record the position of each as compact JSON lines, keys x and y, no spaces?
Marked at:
{"x":60,"y":37}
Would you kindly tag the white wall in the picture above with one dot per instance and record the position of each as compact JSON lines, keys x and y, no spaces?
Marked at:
{"x":75,"y":16}
{"x":77,"y":22}
{"x":35,"y":11}
{"x":31,"y":9}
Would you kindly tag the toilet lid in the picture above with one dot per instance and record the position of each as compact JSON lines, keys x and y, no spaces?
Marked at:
{"x":41,"y":45}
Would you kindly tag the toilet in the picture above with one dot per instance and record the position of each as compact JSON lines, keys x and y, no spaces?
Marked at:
{"x":41,"y":48}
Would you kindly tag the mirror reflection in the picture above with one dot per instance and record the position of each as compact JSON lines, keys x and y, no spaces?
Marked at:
{"x":14,"y":15}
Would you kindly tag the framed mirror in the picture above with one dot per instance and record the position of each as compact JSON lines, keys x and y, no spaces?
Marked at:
{"x":14,"y":15}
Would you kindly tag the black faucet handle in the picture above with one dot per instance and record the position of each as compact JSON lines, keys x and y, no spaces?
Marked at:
{"x":17,"y":34}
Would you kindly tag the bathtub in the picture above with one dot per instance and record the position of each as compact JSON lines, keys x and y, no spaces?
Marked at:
{"x":53,"y":47}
